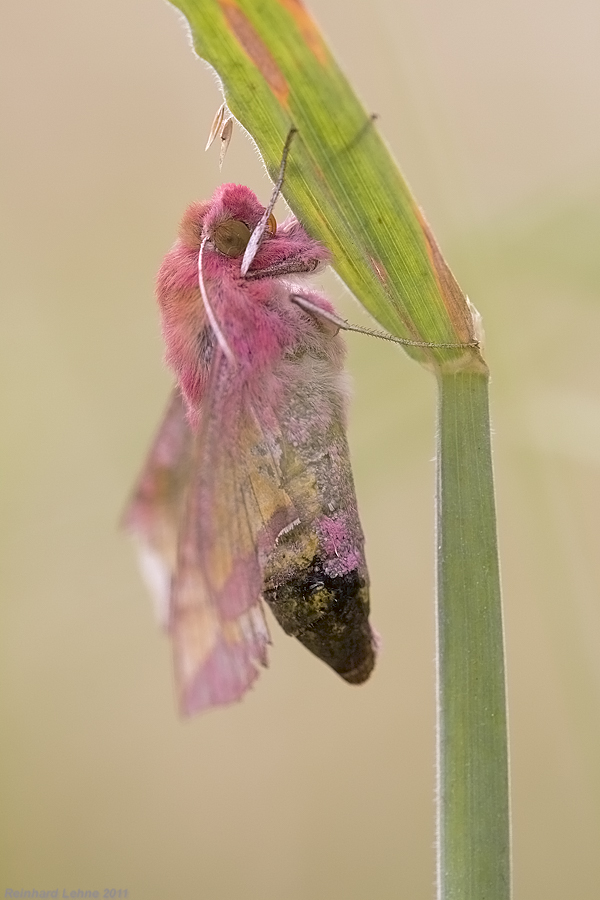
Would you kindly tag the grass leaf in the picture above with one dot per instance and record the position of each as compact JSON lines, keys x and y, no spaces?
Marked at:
{"x":346,"y":189}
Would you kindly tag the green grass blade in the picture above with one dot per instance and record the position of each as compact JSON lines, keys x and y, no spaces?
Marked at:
{"x":341,"y":180}
{"x":473,"y":815}
{"x":346,"y":189}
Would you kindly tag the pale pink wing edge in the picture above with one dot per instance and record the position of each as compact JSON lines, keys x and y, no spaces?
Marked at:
{"x":215,"y":657}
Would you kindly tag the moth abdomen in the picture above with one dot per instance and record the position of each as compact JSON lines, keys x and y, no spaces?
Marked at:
{"x":329,"y":615}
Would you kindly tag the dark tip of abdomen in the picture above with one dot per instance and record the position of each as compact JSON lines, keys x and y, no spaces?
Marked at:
{"x":360,"y":673}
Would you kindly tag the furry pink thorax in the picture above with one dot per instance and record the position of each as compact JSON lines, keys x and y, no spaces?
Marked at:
{"x":255,"y":314}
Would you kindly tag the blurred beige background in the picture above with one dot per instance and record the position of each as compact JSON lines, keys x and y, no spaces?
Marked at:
{"x":310,"y":788}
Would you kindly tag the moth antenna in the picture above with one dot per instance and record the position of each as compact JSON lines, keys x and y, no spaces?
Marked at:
{"x":317,"y":311}
{"x":258,"y":233}
{"x":365,"y":128}
{"x":221,"y":341}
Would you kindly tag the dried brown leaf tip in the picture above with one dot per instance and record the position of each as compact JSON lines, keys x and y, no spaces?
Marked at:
{"x":222,"y":127}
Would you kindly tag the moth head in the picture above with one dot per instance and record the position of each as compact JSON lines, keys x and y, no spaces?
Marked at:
{"x":227,"y":219}
{"x":231,"y":236}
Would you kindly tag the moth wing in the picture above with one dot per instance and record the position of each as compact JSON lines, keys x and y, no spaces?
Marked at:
{"x":154,"y":512}
{"x":235,"y":509}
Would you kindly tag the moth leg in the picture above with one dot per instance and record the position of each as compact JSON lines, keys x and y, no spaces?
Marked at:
{"x":330,"y":319}
{"x":289,"y":266}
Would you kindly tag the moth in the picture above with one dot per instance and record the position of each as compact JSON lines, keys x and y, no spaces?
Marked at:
{"x":247,"y":495}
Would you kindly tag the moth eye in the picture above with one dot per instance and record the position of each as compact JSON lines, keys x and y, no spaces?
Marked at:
{"x":231,"y":237}
{"x":271,"y":224}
